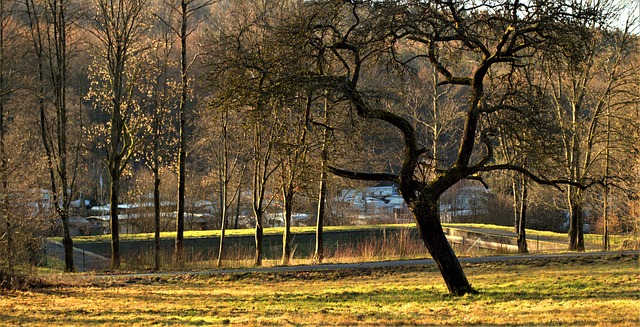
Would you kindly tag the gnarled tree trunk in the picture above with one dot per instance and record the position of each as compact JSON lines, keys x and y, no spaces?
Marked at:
{"x":427,"y":215}
{"x":576,"y":235}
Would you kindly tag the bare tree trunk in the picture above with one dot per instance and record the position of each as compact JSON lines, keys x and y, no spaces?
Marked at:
{"x":427,"y":216}
{"x":605,"y":222}
{"x":9,"y":249}
{"x":117,"y":27}
{"x":113,"y":215}
{"x":115,"y":165}
{"x":286,"y":235}
{"x":3,"y":155}
{"x":67,"y":242}
{"x":223,"y":229}
{"x":5,"y":203}
{"x":47,"y":139}
{"x":576,"y":235}
{"x":318,"y":255}
{"x":182,"y":154}
{"x":223,"y":200}
{"x":605,"y":205}
{"x":521,"y":223}
{"x":258,"y":237}
{"x":224,"y":182}
{"x":60,"y":91}
{"x":156,"y":217}
{"x":237,"y":216}
{"x":319,"y":252}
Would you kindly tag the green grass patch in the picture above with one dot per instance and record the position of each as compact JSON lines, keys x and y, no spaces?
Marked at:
{"x":566,"y":292}
{"x":230,"y":232}
{"x":591,"y":238}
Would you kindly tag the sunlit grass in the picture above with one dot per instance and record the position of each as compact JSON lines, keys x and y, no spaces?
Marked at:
{"x":231,"y":232}
{"x":582,"y":292}
{"x":616,"y":240}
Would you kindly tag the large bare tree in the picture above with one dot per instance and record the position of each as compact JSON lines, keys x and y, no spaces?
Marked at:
{"x":496,"y":36}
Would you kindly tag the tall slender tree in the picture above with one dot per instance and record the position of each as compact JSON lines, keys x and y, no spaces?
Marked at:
{"x":49,"y":23}
{"x":183,"y":23}
{"x":293,"y":151}
{"x":119,"y":27}
{"x":318,"y":254}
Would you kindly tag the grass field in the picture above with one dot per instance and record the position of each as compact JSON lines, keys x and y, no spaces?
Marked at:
{"x":616,"y":240}
{"x":230,"y":232}
{"x":558,"y":292}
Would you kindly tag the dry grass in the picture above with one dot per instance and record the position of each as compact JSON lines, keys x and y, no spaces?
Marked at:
{"x":579,"y":292}
{"x":399,"y":245}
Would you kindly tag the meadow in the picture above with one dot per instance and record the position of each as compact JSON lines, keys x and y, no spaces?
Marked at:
{"x":590,"y":291}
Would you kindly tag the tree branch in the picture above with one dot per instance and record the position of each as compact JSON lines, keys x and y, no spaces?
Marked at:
{"x":364,"y":176}
{"x":538,"y":179}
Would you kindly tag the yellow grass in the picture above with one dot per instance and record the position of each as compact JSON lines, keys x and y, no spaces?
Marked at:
{"x":231,"y":232}
{"x":580,"y":292}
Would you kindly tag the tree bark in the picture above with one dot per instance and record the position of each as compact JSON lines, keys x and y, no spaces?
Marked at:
{"x":319,"y":252}
{"x":522,"y":219}
{"x":223,"y":229}
{"x":605,"y":204}
{"x":113,"y":215}
{"x":179,"y":247}
{"x":576,"y":234}
{"x":223,"y":202}
{"x":67,"y":242}
{"x":605,"y":220}
{"x":286,"y":235}
{"x":258,"y":238}
{"x":156,"y":217}
{"x":4,"y":169}
{"x":318,"y":255}
{"x":427,"y":215}
{"x":237,"y":215}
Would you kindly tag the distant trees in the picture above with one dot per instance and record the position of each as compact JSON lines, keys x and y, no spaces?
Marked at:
{"x":222,"y":144}
{"x":588,"y":84}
